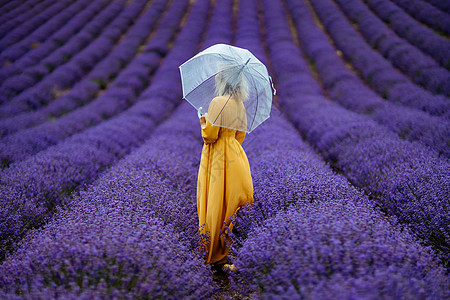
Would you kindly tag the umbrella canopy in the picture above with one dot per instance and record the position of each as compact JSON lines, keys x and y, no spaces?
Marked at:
{"x":236,"y":75}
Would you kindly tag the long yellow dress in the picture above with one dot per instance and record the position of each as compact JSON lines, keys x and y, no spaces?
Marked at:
{"x":224,"y":180}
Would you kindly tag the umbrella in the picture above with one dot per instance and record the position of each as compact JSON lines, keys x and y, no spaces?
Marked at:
{"x":236,"y":75}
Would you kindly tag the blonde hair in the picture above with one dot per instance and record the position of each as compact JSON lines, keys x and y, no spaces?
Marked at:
{"x":230,"y":80}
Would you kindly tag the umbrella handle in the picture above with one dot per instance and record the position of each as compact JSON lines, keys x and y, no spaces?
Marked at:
{"x":199,"y":112}
{"x":273,"y":88}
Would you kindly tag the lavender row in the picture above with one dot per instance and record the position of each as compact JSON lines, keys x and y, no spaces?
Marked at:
{"x":427,"y":14}
{"x":332,"y":249}
{"x":155,"y":181}
{"x":406,"y":179}
{"x":4,"y":3}
{"x":416,"y":34}
{"x":34,"y":187}
{"x":7,"y":6}
{"x":41,"y":62}
{"x":421,"y":68}
{"x":441,"y":4}
{"x":91,"y":19}
{"x":341,"y":238}
{"x":42,"y":33}
{"x":120,"y":94}
{"x":100,"y":77}
{"x":138,"y":189}
{"x":111,"y":220}
{"x":348,"y":90}
{"x":18,"y":33}
{"x":117,"y":249}
{"x":45,"y":84}
{"x":337,"y":236}
{"x":21,"y":15}
{"x":374,"y":68}
{"x":12,"y":9}
{"x":220,"y":30}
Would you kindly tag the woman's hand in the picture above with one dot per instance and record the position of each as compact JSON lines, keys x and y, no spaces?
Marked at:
{"x":203,"y":121}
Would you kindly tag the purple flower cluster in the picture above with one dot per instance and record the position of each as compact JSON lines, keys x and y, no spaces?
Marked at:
{"x":441,"y":4}
{"x":115,"y":248}
{"x":349,"y":91}
{"x":134,"y":232}
{"x":335,"y":249}
{"x":28,"y":21}
{"x":309,"y":233}
{"x":32,"y":188}
{"x":22,"y":58}
{"x":43,"y":32}
{"x":373,"y":67}
{"x":421,"y":68}
{"x":99,"y":199}
{"x":245,"y":33}
{"x":98,"y":80}
{"x":44,"y":81}
{"x":426,"y":13}
{"x":115,"y":218}
{"x":12,"y":9}
{"x":221,"y":29}
{"x":406,"y":179}
{"x":418,"y":35}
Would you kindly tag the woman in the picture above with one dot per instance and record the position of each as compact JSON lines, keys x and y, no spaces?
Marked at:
{"x":224,"y":179}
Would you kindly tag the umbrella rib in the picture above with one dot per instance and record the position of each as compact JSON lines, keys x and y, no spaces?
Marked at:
{"x":198,"y":85}
{"x":254,"y":116}
{"x":222,"y":109}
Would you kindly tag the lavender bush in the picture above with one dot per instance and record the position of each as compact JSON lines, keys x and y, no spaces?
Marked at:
{"x":123,"y":92}
{"x":421,"y":68}
{"x":71,"y":69}
{"x":405,"y":179}
{"x":344,"y":206}
{"x":35,"y":38}
{"x":348,"y":90}
{"x":336,"y":249}
{"x":376,"y":70}
{"x":426,"y":13}
{"x":309,"y":234}
{"x":20,"y":57}
{"x":25,"y":28}
{"x":118,"y":250}
{"x":102,"y":74}
{"x":441,"y":4}
{"x":10,"y":9}
{"x":22,"y":14}
{"x":39,"y":59}
{"x":147,"y":179}
{"x":414,"y":32}
{"x":32,"y":188}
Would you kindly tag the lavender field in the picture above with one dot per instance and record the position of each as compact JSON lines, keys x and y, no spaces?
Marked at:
{"x":99,"y":153}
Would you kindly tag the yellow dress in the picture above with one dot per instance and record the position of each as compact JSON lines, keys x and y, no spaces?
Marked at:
{"x":224,"y":179}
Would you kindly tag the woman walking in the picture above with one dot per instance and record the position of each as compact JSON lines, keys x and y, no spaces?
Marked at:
{"x":236,"y":89}
{"x":224,"y":179}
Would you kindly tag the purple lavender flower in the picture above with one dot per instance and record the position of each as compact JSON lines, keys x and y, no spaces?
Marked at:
{"x":347,"y":89}
{"x":47,"y":179}
{"x":426,"y":13}
{"x":421,"y":68}
{"x":377,"y":72}
{"x":406,"y":179}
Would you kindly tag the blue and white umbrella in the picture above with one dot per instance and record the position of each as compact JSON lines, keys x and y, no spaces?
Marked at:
{"x":228,"y":70}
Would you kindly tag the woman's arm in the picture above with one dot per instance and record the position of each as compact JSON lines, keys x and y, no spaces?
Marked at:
{"x":210,"y":133}
{"x":240,"y":136}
